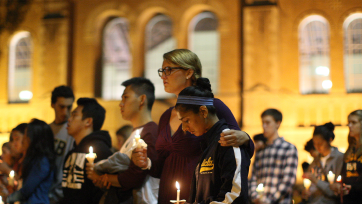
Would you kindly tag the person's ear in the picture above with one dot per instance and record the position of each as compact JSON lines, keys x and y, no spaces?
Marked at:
{"x":88,"y":122}
{"x":189,"y":73}
{"x":203,"y":111}
{"x":143,"y":100}
{"x":278,"y":124}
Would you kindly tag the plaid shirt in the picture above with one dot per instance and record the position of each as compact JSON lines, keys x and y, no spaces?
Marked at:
{"x":275,"y":167}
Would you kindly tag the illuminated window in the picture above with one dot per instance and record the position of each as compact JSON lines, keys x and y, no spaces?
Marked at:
{"x":158,"y":40}
{"x":20,"y":59}
{"x":204,"y":41}
{"x":314,"y":68}
{"x":353,"y":52}
{"x":117,"y":58}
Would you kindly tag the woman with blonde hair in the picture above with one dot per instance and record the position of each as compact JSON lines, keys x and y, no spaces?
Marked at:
{"x":178,"y":150}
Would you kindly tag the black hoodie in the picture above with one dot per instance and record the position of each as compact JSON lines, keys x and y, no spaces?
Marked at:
{"x":77,"y":188}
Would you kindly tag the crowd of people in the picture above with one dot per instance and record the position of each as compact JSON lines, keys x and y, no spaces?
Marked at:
{"x":197,"y":144}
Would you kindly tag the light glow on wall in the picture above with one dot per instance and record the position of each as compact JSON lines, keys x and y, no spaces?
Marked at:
{"x":327,"y":84}
{"x":322,"y":70}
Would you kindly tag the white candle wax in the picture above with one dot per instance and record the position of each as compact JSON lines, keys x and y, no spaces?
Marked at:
{"x":91,"y":156}
{"x":11,"y":178}
{"x":307,"y":183}
{"x":331,"y":177}
{"x":178,"y":192}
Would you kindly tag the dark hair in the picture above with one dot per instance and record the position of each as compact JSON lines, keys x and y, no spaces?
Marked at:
{"x":142,"y":86}
{"x":6,"y":145}
{"x":41,"y":145}
{"x":201,"y":89}
{"x":305,"y":166}
{"x":125,"y":131}
{"x":260,"y":137}
{"x":92,"y":109}
{"x":21,"y":128}
{"x":326,"y":131}
{"x":277,"y":115}
{"x":309,"y":146}
{"x":62,"y":91}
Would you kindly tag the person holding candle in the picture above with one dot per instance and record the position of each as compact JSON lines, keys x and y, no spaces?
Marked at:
{"x":84,"y":125}
{"x":323,"y":170}
{"x":352,"y":167}
{"x":124,"y":176}
{"x":62,"y":99}
{"x":221,"y":174}
{"x":37,"y":170}
{"x":179,"y":151}
{"x":276,"y":165}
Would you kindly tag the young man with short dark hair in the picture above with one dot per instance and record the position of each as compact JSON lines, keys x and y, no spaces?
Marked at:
{"x":84,"y":126}
{"x":61,"y":101}
{"x":275,"y":166}
{"x":136,"y":106}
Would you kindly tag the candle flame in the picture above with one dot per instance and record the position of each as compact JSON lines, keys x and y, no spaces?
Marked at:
{"x":339,"y":178}
{"x":91,"y":150}
{"x":12,"y":173}
{"x":137,"y":132}
{"x":330,"y":173}
{"x":177,"y":185}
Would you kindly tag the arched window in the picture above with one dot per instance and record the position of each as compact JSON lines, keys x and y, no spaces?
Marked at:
{"x":204,"y":41}
{"x":314,"y":68}
{"x":117,"y":58}
{"x":158,"y":40}
{"x":20,"y":60}
{"x":353,"y":52}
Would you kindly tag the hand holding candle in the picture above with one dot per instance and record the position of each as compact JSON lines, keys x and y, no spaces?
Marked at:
{"x":339,"y":180}
{"x":91,"y":156}
{"x":307,"y":183}
{"x":331,"y":177}
{"x":11,"y":178}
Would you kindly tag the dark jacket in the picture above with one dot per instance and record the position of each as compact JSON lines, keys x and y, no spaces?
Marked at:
{"x":77,"y":188}
{"x":218,"y":167}
{"x":352,"y":175}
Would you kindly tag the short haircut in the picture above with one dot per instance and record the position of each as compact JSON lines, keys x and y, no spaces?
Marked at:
{"x":260,"y":137}
{"x":309,"y":146}
{"x":142,"y":86}
{"x":277,"y":115}
{"x":305,"y":166}
{"x":21,"y":128}
{"x":125,"y":131}
{"x":92,"y":109}
{"x":62,"y":91}
{"x":6,"y":145}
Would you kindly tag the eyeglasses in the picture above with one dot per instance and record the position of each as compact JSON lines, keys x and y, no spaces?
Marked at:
{"x":168,"y":70}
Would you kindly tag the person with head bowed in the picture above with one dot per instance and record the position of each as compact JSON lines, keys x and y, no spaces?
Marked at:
{"x":179,"y":150}
{"x":329,"y":162}
{"x":221,"y":174}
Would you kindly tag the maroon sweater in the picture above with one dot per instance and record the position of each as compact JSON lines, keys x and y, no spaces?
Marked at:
{"x":134,"y":176}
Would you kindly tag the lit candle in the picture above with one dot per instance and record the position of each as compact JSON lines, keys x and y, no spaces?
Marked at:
{"x":339,"y":180}
{"x":178,"y":192}
{"x":331,"y":177}
{"x":91,"y":156}
{"x":260,"y":190}
{"x":11,"y":178}
{"x":307,"y":183}
{"x":1,"y":200}
{"x":137,"y":138}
